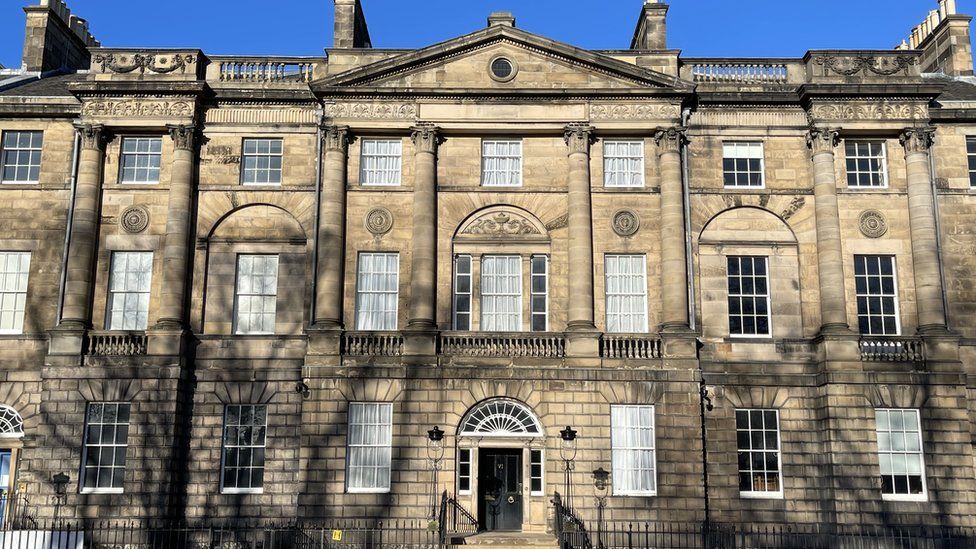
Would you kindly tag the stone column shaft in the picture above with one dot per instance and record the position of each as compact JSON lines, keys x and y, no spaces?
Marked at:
{"x":176,"y":247}
{"x":921,"y":212}
{"x":579,"y":137}
{"x":830,"y":257}
{"x":76,"y":311}
{"x":674,"y":261}
{"x":332,"y":229}
{"x":423,"y":264}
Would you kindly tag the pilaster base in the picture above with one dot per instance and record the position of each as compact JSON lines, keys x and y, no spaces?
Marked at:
{"x":839,"y":345}
{"x":583,"y":344}
{"x":324,"y":341}
{"x":66,"y":340}
{"x":940,"y":344}
{"x":166,"y":341}
{"x":420,"y":345}
{"x":677,"y":343}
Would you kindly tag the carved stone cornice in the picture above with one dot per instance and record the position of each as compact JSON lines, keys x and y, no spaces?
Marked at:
{"x":92,"y":136}
{"x":336,"y":138}
{"x":671,"y":139}
{"x":426,"y":137}
{"x":822,"y":140}
{"x":917,"y":140}
{"x":579,"y":137}
{"x":183,"y":136}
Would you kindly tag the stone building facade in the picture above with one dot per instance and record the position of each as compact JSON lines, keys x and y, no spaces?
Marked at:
{"x":247,"y":287}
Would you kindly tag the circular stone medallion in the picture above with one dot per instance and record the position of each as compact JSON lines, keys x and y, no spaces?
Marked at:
{"x":873,"y":224}
{"x":379,"y":221}
{"x":626,"y":223}
{"x":134,"y":219}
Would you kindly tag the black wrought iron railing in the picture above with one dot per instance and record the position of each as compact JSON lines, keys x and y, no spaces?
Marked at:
{"x":568,"y":527}
{"x":15,"y":511}
{"x":455,"y":521}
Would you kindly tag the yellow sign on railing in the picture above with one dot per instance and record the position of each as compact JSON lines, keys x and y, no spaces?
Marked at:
{"x":337,"y":535}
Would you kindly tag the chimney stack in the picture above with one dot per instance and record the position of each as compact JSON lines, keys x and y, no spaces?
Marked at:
{"x":652,"y":28}
{"x":943,"y":37}
{"x":350,"y":25}
{"x":55,"y":39}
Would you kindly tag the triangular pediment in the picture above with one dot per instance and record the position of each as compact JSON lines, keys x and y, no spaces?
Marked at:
{"x":539,"y":64}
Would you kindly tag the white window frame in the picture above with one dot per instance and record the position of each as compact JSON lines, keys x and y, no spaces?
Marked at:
{"x":616,"y":446}
{"x":542,"y":472}
{"x":469,"y":461}
{"x":257,"y":155}
{"x":18,"y":296}
{"x":641,"y":296}
{"x":114,"y":445}
{"x":971,"y":159}
{"x":738,"y":150}
{"x":924,"y":495}
{"x":518,"y":293}
{"x":239,"y":293}
{"x":520,"y":160}
{"x":759,"y":494}
{"x":755,"y":295}
{"x":224,"y":446}
{"x":884,"y":163}
{"x":361,"y":293}
{"x":894,"y":296}
{"x":368,"y":176}
{"x":30,"y":150}
{"x":533,"y":294}
{"x":121,"y":289}
{"x":635,"y":179}
{"x":388,"y":444}
{"x":147,"y":154}
{"x":459,"y":276}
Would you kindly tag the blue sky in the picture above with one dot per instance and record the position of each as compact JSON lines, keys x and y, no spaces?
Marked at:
{"x":739,"y":28}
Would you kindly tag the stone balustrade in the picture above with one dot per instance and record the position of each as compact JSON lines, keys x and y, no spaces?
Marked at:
{"x":628,"y":346}
{"x":263,"y":70}
{"x":372,"y":344}
{"x":112,"y":343}
{"x":503,"y":345}
{"x":740,"y":73}
{"x":892,"y":349}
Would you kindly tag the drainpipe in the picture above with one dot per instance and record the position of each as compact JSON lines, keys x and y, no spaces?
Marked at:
{"x":938,"y":234}
{"x":75,"y":152}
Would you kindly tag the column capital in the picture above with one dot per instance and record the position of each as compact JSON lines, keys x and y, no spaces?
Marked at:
{"x":917,"y":140}
{"x":426,"y":137}
{"x":670,"y":140}
{"x":822,"y":140}
{"x":92,"y":136}
{"x":183,"y":136}
{"x":579,"y":136}
{"x":336,"y":138}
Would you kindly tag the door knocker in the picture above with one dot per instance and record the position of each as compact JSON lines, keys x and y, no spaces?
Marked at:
{"x":511,"y":500}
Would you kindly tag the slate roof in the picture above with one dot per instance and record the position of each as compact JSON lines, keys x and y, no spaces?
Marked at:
{"x":52,"y":86}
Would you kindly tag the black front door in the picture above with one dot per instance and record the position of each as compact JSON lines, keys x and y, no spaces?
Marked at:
{"x":500,"y":490}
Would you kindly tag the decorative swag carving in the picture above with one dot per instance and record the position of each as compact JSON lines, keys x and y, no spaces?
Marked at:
{"x":880,"y":65}
{"x":159,"y":64}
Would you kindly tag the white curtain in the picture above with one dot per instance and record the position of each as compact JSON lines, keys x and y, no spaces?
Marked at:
{"x":370,"y":446}
{"x":623,"y":163}
{"x":378,"y":291}
{"x":129,"y":284}
{"x":257,"y":294}
{"x":381,"y":162}
{"x":501,"y":293}
{"x":632,"y":440}
{"x":502,"y":163}
{"x":626,"y":291}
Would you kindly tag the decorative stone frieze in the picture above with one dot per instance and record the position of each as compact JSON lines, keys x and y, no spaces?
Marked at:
{"x":795,"y":206}
{"x":137,"y":108}
{"x":670,"y":140}
{"x":822,"y":140}
{"x":379,"y":221}
{"x":872,"y":224}
{"x":870,"y":110}
{"x":579,"y":137}
{"x":398,"y":111}
{"x":134,"y":219}
{"x":626,"y":223}
{"x":501,"y":224}
{"x":837,"y":64}
{"x":633,"y":112}
{"x":336,"y":138}
{"x":124,"y":63}
{"x":183,"y":137}
{"x":92,"y":136}
{"x":917,"y":140}
{"x":426,"y":137}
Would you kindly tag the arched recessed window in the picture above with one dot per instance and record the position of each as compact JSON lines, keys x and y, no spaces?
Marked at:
{"x":501,"y":418}
{"x":11,"y":424}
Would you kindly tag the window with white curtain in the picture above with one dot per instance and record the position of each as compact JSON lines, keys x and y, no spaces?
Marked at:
{"x":623,"y":163}
{"x":14,"y":272}
{"x":369,"y":447}
{"x":501,"y":293}
{"x":245,"y":436}
{"x":626,"y":291}
{"x":141,"y":157}
{"x":633,"y":450}
{"x":900,"y":454}
{"x":257,"y":294}
{"x":261,"y":162}
{"x":380,"y":162}
{"x":128,"y":290}
{"x":501,"y":163}
{"x":377,"y":291}
{"x":462,"y":292}
{"x":20,"y":156}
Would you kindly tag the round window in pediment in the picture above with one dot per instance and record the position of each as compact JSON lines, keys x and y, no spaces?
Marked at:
{"x":503,"y":69}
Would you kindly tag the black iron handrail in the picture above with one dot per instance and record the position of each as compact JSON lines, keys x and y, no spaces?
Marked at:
{"x":455,"y":520}
{"x":568,"y":528}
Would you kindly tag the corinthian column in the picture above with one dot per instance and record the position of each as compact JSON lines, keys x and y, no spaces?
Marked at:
{"x":423,"y":265}
{"x":176,"y":249}
{"x":830,"y":259}
{"x":332,"y":229}
{"x":84,"y":229}
{"x":579,"y":137}
{"x":921,"y":213}
{"x":674,"y":262}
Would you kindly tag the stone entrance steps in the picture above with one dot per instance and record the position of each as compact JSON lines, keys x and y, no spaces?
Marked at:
{"x":512,"y":540}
